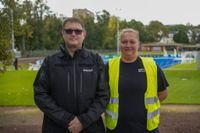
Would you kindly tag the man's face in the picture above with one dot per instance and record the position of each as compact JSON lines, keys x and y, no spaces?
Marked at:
{"x":73,"y":35}
{"x":129,"y":44}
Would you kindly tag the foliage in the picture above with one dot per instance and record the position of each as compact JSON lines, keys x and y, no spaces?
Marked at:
{"x":137,"y":25}
{"x":5,"y":40}
{"x":178,"y":27}
{"x":198,"y":39}
{"x":91,"y":40}
{"x":36,"y":27}
{"x":5,"y":57}
{"x":157,"y":30}
{"x":102,"y":28}
{"x":52,"y":32}
{"x":181,"y":37}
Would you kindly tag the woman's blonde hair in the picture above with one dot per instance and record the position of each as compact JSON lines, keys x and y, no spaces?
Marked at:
{"x":129,"y":30}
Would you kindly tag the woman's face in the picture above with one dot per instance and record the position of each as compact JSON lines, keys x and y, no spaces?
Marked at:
{"x":129,"y":44}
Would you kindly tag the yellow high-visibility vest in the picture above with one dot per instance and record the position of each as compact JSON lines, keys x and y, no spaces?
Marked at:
{"x":152,"y":103}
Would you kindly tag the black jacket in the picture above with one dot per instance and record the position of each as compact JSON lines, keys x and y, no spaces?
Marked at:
{"x":66,"y":87}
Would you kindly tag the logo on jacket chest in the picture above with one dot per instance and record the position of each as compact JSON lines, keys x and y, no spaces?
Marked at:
{"x":87,"y":69}
{"x":140,"y":70}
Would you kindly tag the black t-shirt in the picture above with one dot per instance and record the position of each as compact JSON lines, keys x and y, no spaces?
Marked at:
{"x":132,"y":86}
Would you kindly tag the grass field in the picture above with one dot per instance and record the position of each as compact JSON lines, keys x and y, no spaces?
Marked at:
{"x":185,"y":66}
{"x":184,"y":86}
{"x":16,"y":87}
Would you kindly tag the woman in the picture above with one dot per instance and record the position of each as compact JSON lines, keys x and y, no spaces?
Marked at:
{"x":137,"y":85}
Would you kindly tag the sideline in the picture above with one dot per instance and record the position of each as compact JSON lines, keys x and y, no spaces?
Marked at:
{"x":31,"y":116}
{"x":179,"y":108}
{"x":6,"y":110}
{"x":180,"y":69}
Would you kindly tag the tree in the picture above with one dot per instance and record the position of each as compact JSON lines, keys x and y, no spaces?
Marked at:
{"x":6,"y":55}
{"x":181,"y":37}
{"x":102,"y":28}
{"x":177,"y":27}
{"x":139,"y":26}
{"x":111,"y":37}
{"x":25,"y":26}
{"x":194,"y":37}
{"x":52,"y":32}
{"x":198,"y":39}
{"x":156,"y":29}
{"x":91,"y":41}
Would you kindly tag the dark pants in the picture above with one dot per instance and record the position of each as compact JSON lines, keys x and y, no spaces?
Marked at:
{"x":113,"y":131}
{"x":154,"y":131}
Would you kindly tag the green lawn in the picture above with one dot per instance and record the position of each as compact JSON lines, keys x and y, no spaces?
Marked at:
{"x":184,"y":86}
{"x":16,"y":87}
{"x":192,"y":65}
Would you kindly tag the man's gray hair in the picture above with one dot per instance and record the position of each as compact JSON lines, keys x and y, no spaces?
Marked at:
{"x":73,"y":19}
{"x":129,"y":30}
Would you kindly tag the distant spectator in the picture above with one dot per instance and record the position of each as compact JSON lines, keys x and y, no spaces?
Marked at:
{"x":15,"y":64}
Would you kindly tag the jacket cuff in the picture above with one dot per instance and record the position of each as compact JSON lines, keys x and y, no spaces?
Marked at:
{"x":66,"y":120}
{"x":85,"y":121}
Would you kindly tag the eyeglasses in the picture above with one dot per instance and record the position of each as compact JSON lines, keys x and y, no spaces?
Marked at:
{"x":76,"y":31}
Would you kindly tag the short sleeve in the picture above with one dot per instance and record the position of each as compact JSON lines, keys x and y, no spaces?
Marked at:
{"x":162,"y":81}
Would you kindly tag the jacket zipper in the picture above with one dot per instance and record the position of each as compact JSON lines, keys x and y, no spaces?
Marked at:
{"x":75,"y":89}
{"x":74,"y":72}
{"x":68,"y":82}
{"x":81,"y":82}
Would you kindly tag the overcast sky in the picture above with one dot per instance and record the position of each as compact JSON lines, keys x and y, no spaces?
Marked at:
{"x":166,"y":11}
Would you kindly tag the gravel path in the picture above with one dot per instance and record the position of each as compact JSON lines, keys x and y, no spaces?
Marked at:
{"x":174,"y":119}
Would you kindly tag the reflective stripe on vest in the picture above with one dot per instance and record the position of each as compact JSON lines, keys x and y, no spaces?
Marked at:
{"x":150,"y":115}
{"x":152,"y":103}
{"x":112,"y":114}
{"x":114,"y":100}
{"x":151,"y":100}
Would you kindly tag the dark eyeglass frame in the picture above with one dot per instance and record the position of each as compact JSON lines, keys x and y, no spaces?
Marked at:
{"x":70,"y":31}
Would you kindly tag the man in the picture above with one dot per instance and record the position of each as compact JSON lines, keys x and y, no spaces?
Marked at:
{"x":69,"y":87}
{"x":15,"y":63}
{"x":137,"y":85}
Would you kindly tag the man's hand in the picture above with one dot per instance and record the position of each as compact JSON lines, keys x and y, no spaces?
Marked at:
{"x":75,"y":126}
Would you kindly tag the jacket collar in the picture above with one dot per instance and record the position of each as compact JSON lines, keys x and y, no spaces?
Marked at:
{"x":80,"y":52}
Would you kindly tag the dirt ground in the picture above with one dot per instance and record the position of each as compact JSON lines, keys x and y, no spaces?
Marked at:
{"x":174,"y":119}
